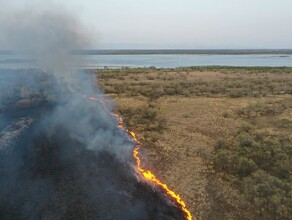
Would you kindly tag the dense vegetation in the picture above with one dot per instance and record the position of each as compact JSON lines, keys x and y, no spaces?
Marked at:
{"x":231,"y":81}
{"x":146,"y":120}
{"x":260,"y":164}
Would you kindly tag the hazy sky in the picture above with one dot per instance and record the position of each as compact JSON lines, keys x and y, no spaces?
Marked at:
{"x":194,"y":24}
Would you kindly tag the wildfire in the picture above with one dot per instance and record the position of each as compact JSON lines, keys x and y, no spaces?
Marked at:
{"x":147,"y":174}
{"x":150,"y":176}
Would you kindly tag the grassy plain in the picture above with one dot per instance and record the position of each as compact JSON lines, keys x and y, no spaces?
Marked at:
{"x":219,"y":136}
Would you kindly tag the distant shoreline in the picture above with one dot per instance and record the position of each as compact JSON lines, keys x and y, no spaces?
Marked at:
{"x":181,"y":51}
{"x":172,"y":51}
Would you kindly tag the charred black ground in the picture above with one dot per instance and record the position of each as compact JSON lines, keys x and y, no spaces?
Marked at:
{"x":51,"y":169}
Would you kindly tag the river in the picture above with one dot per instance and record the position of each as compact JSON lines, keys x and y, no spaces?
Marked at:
{"x":159,"y":60}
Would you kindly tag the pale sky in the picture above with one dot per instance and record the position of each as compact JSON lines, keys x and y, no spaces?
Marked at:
{"x":186,"y":24}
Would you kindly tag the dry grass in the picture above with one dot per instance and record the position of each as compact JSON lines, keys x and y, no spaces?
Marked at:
{"x":182,"y":155}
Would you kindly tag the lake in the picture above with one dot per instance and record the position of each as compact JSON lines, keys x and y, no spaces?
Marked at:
{"x":158,"y":60}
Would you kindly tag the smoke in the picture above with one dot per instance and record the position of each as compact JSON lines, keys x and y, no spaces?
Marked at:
{"x":61,"y":155}
{"x":45,"y":32}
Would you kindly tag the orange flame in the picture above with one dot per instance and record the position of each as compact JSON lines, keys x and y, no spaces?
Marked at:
{"x":147,"y":174}
{"x":150,"y":176}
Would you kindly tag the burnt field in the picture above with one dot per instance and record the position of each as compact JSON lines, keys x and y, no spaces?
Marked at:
{"x":63,"y":157}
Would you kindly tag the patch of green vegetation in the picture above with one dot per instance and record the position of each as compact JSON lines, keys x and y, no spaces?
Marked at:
{"x":146,"y":120}
{"x":259,"y":164}
{"x":238,"y":82}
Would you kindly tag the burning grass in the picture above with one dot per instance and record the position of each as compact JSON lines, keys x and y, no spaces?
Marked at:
{"x":146,"y":174}
{"x":55,"y":169}
{"x":208,"y":149}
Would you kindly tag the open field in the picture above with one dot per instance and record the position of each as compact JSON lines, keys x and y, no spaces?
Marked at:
{"x":219,"y":136}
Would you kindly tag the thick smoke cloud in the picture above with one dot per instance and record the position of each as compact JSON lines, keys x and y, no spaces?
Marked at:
{"x":45,"y":32}
{"x":61,"y":154}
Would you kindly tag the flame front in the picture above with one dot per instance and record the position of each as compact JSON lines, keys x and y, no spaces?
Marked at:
{"x":147,"y":174}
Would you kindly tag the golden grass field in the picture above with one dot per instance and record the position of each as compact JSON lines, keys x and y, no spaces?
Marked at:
{"x":181,"y":114}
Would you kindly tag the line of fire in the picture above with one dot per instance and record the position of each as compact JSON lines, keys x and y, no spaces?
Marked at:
{"x":66,"y":155}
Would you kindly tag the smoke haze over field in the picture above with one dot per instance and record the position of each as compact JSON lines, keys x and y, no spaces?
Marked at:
{"x":46,"y":33}
{"x":62,"y":155}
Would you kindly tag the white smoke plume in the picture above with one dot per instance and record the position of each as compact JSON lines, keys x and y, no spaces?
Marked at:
{"x":70,"y":161}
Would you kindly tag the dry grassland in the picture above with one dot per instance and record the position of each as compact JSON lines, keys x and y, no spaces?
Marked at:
{"x":180,"y":116}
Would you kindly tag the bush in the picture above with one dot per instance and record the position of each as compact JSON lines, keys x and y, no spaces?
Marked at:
{"x":225,"y":114}
{"x":246,"y":127}
{"x":246,"y":140}
{"x":220,"y":144}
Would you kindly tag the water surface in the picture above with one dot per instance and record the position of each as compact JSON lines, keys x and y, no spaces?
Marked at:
{"x":158,"y":60}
